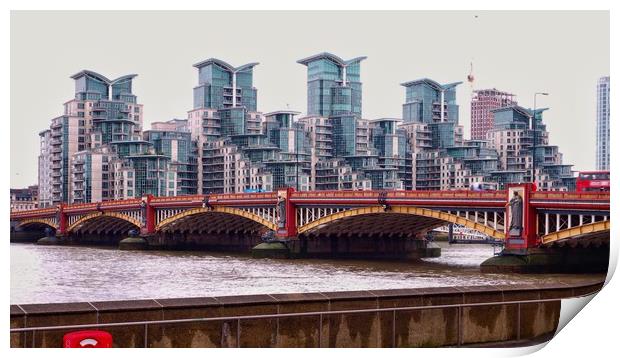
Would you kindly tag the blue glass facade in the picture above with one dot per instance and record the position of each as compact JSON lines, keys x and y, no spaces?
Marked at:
{"x":423,"y":102}
{"x":222,"y":86}
{"x":334,"y":85}
{"x":177,"y":146}
{"x":152,"y":175}
{"x":344,"y":135}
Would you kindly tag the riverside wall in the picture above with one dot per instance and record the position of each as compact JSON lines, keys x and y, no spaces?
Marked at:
{"x":500,"y":323}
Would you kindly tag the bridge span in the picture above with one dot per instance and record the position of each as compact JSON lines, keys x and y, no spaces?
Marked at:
{"x":384,"y":224}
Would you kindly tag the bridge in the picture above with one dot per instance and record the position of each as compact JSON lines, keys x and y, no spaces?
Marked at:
{"x":356,"y":222}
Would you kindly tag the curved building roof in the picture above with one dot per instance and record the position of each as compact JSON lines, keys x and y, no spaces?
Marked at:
{"x":524,"y":111}
{"x":224,"y":64}
{"x":282,"y":112}
{"x":436,"y":85}
{"x":101,"y":77}
{"x":332,"y":57}
{"x":385,"y":119}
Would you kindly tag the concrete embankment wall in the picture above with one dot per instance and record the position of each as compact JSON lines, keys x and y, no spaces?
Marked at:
{"x":426,"y":327}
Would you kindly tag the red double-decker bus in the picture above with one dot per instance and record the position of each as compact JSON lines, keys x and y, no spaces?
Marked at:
{"x":593,"y":181}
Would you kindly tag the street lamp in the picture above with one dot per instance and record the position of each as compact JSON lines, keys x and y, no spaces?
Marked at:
{"x":533,"y":127}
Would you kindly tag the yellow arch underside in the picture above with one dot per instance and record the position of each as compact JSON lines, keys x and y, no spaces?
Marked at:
{"x":411,"y":210}
{"x":576,"y":231}
{"x":98,"y":214}
{"x":49,"y":222}
{"x":217,"y":209}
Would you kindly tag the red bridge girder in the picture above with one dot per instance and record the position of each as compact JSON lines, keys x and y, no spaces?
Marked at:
{"x":456,"y":200}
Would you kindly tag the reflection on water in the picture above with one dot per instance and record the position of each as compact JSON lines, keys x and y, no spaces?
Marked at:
{"x":43,"y":274}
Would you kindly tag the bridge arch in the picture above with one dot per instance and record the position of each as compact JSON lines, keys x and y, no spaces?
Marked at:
{"x":38,"y":223}
{"x":588,"y":230}
{"x":126,"y":222}
{"x":166,"y":223}
{"x":439,"y":217}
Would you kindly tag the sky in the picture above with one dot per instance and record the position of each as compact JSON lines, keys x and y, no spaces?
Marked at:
{"x":522,"y":52}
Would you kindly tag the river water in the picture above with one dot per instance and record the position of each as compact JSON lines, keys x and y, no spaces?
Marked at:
{"x":45,"y":274}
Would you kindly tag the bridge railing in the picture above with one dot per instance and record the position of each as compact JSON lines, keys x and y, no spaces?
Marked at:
{"x":33,"y":213}
{"x":394,"y":194}
{"x":373,"y":195}
{"x":570,"y":195}
{"x":244,"y":196}
{"x":121,"y":203}
{"x":157,"y":201}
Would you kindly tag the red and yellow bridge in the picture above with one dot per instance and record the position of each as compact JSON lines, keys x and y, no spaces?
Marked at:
{"x":549,"y":218}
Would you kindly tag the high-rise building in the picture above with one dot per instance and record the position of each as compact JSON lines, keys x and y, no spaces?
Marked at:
{"x":173,"y":139}
{"x":427,"y":101}
{"x":97,"y":150}
{"x":99,"y":137}
{"x":102,"y":111}
{"x":602,"y":124}
{"x":425,"y":98}
{"x":394,"y":156}
{"x":224,"y":120}
{"x":93,"y":179}
{"x":482,"y":102}
{"x":221,"y":85}
{"x":334,"y":85}
{"x":338,"y":133}
{"x":512,"y":137}
{"x":45,"y":169}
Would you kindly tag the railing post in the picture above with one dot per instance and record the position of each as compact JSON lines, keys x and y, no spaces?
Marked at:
{"x":320,"y":329}
{"x":518,"y":321}
{"x":239,"y":333}
{"x":459,"y":326}
{"x":146,"y":336}
{"x":394,"y":329}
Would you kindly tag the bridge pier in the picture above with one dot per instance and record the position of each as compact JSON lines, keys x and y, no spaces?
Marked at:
{"x":550,"y":260}
{"x":26,"y":236}
{"x":133,"y":242}
{"x":362,"y":247}
{"x":50,"y":240}
{"x":524,"y":251}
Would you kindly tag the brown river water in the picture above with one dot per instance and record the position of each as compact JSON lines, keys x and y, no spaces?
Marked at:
{"x":46,"y":274}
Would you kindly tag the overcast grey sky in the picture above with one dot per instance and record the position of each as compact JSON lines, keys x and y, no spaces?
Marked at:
{"x":563,"y":53}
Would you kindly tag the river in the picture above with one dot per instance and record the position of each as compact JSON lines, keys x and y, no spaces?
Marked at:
{"x":46,"y":274}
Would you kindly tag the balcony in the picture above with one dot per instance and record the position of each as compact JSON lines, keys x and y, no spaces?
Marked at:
{"x":208,"y":115}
